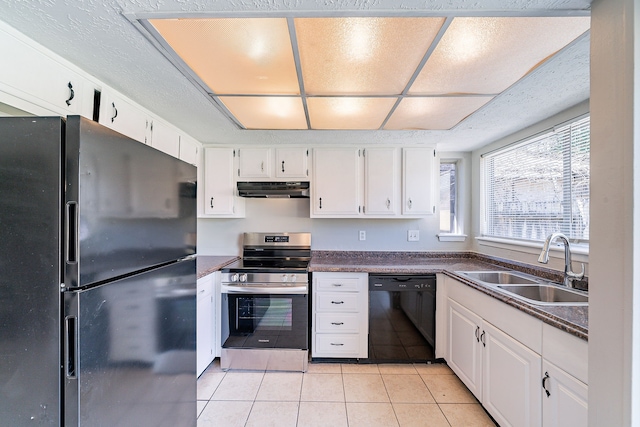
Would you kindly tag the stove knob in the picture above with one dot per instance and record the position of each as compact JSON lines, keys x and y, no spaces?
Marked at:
{"x":234,"y":277}
{"x":293,"y":277}
{"x":243,"y":277}
{"x":284,"y":278}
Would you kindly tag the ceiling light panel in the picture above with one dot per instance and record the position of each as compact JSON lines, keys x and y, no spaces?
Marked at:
{"x":362,"y":56}
{"x":434,"y":113}
{"x":267,"y":112}
{"x":348,"y":112}
{"x":235,"y":55}
{"x":487,"y":55}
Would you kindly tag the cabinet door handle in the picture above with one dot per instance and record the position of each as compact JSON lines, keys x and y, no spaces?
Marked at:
{"x":337,"y":302}
{"x":337,"y":323}
{"x":478,"y":333}
{"x":482,"y":339}
{"x":544,"y":383}
{"x":261,"y":166}
{"x":283,"y":166}
{"x":410,"y":203}
{"x":388,"y":203}
{"x":337,"y":343}
{"x":320,"y":202}
{"x":263,"y":341}
{"x":211,"y":203}
{"x":115,"y":112}
{"x":72,"y":94}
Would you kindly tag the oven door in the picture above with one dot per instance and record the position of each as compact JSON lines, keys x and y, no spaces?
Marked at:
{"x":265,"y":320}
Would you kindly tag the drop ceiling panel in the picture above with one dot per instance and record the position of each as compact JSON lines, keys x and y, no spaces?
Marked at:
{"x":436,"y":113}
{"x":235,"y":56}
{"x":362,"y":56}
{"x":267,"y":112}
{"x":348,"y":112}
{"x":487,"y":55}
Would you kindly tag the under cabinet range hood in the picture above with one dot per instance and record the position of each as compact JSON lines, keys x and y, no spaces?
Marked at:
{"x":273,"y":190}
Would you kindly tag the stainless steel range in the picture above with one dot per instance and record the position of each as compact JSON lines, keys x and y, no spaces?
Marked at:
{"x":265,"y":304}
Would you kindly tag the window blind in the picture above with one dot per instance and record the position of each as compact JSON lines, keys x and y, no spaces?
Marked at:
{"x":540,"y":186}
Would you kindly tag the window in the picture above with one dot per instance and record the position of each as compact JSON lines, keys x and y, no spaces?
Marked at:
{"x":540,"y":186}
{"x":448,"y":199}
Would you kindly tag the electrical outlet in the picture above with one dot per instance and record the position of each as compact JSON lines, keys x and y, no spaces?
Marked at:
{"x":413,"y":235}
{"x":362,"y":235}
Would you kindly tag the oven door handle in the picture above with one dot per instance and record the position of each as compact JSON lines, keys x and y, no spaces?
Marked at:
{"x":264,"y":290}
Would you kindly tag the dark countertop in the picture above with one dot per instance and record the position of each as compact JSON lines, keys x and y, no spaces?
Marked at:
{"x":570,"y":318}
{"x":207,"y":264}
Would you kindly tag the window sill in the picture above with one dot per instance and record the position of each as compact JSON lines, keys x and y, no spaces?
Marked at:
{"x":579,"y":253}
{"x":450,"y":237}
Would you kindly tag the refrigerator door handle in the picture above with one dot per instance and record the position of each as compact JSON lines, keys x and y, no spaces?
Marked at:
{"x":70,"y":346}
{"x":71,"y":233}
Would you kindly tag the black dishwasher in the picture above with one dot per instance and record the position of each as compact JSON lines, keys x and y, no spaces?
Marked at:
{"x":402,"y":318}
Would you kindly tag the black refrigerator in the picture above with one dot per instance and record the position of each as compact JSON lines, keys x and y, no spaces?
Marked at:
{"x":97,"y":278}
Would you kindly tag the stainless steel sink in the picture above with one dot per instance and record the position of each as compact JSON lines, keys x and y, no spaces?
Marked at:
{"x":546,"y":294}
{"x":498,"y":277}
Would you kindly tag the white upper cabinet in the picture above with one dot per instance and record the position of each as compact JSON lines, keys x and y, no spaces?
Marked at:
{"x":28,"y":74}
{"x":292,"y":163}
{"x":336,"y":182}
{"x":254,"y":163}
{"x":189,"y":150}
{"x":419,"y":166}
{"x":122,"y":116}
{"x":262,"y":163}
{"x":381,"y":181}
{"x":165,"y":138}
{"x":219,"y":196}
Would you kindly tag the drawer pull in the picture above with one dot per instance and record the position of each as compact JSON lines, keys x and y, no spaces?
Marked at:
{"x":337,"y":323}
{"x":263,"y":341}
{"x":337,"y":344}
{"x":337,"y":302}
{"x":337,"y":285}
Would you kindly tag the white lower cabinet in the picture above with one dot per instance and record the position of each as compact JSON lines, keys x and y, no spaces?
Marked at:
{"x":205,"y":323}
{"x":565,"y":404}
{"x":500,"y":371}
{"x":511,"y":379}
{"x":523,"y":372}
{"x":340,"y":326}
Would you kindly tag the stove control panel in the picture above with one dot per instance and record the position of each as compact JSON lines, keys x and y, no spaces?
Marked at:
{"x":287,"y":279}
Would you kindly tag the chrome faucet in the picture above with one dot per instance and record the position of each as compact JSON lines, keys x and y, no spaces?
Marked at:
{"x":569,"y":275}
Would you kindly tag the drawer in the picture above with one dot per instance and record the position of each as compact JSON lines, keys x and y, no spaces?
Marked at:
{"x":337,"y":323}
{"x":338,"y":284}
{"x":337,"y":344}
{"x":337,"y":301}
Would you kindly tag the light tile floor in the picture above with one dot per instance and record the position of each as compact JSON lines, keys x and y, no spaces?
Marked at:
{"x":333,"y":394}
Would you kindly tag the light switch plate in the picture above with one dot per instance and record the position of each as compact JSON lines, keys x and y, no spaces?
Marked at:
{"x":413,"y":235}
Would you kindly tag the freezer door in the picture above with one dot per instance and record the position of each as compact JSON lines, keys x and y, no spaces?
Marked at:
{"x":127,"y":206}
{"x":30,"y":272}
{"x":129,"y":352}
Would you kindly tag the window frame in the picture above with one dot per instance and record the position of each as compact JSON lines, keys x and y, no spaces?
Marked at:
{"x":457,"y":234}
{"x":578,"y":247}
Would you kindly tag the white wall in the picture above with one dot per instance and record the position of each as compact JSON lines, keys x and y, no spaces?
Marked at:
{"x":614,"y":300}
{"x":524,"y":254}
{"x":224,"y":236}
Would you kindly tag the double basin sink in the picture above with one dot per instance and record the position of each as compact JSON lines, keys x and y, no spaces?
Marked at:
{"x":528,"y":288}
